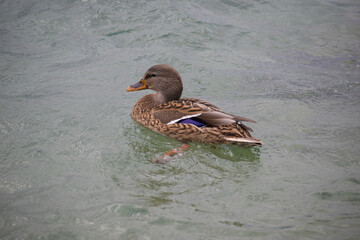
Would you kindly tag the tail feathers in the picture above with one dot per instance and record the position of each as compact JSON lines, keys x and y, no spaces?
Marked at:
{"x":244,"y":141}
{"x":245,"y":127}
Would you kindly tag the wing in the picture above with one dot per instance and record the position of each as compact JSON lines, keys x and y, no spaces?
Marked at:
{"x":197,"y":110}
{"x":175,"y":111}
{"x":196,"y":100}
{"x":215,"y":108}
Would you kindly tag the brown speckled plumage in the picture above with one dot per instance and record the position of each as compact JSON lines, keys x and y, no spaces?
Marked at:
{"x":159,"y":111}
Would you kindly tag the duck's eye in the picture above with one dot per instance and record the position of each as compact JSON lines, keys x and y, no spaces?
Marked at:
{"x":150,"y":75}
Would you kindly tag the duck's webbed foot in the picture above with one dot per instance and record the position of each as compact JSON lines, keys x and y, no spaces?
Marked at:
{"x":166,"y":156}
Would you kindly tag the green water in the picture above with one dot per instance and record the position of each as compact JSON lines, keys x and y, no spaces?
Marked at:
{"x":74,"y":165}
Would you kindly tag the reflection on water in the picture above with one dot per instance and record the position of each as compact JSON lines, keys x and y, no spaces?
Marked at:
{"x":145,"y":147}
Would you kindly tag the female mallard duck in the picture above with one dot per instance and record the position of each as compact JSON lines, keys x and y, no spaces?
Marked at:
{"x":187,"y":119}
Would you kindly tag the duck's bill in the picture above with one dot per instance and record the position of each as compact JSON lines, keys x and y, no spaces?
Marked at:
{"x":136,"y":87}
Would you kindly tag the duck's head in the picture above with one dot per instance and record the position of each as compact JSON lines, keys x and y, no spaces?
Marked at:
{"x":163,"y":79}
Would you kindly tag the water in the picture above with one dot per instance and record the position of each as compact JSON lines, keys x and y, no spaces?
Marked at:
{"x":74,"y":165}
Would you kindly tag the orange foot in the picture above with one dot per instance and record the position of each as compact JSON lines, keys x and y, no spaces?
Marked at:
{"x":165,"y":157}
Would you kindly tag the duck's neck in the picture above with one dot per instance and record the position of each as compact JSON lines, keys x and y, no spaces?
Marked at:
{"x":156,"y":99}
{"x":150,"y":101}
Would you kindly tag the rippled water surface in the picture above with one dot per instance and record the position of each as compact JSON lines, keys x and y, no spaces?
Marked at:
{"x":74,"y":165}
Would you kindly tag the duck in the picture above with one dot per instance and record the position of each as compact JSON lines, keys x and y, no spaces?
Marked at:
{"x":185,"y":119}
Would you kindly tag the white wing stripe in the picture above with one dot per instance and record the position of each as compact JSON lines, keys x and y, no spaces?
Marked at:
{"x":245,"y":140}
{"x":185,"y":117}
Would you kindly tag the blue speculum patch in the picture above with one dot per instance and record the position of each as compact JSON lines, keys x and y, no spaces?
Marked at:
{"x":194,"y":121}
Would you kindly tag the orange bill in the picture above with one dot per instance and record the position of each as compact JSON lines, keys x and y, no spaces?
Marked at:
{"x":137,"y":86}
